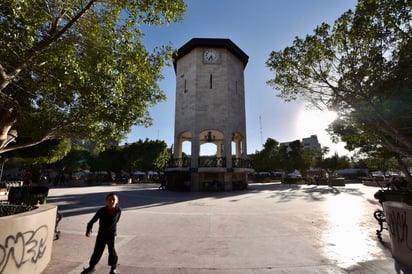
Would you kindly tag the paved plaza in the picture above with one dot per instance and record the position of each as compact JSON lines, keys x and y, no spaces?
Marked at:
{"x":270,"y":228}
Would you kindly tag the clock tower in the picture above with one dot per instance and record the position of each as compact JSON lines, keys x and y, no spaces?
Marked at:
{"x":210,"y":109}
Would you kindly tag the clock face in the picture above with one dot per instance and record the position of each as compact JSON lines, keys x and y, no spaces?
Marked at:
{"x":210,"y":56}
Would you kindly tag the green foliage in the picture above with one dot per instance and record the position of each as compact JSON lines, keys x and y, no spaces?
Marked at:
{"x":382,"y":164}
{"x":309,"y":157}
{"x":267,"y":159}
{"x":333,"y":163}
{"x":77,"y":159}
{"x":47,"y":152}
{"x":360,"y":68}
{"x":111,"y":159}
{"x":295,"y":153}
{"x":79,"y":68}
{"x":146,"y":156}
{"x":274,"y":157}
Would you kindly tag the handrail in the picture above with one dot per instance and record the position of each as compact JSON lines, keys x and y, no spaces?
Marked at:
{"x":210,"y":162}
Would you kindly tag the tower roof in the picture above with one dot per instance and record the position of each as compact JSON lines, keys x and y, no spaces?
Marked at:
{"x":211,"y":42}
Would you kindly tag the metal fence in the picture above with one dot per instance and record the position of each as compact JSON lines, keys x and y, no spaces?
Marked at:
{"x":210,"y":161}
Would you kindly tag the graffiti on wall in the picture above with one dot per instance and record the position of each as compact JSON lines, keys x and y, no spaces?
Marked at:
{"x":398,"y":227}
{"x":23,"y":247}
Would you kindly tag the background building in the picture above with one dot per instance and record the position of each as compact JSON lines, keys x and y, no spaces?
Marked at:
{"x":308,"y":143}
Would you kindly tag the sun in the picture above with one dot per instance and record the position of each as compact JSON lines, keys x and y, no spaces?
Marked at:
{"x":310,"y":122}
{"x":315,"y":122}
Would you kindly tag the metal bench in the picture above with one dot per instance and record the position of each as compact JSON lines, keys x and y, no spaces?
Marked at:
{"x":59,"y":217}
{"x":379,"y":215}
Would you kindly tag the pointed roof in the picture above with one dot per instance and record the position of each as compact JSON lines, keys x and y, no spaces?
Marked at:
{"x":211,"y":42}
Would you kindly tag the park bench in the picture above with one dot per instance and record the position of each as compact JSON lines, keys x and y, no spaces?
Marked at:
{"x":379,"y":214}
{"x":380,"y":218}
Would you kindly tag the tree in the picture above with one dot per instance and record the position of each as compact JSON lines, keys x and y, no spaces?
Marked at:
{"x":268,"y":158}
{"x":78,"y":68}
{"x":77,"y":159}
{"x":360,"y":68}
{"x":110,"y":160}
{"x":382,"y":160}
{"x":296,"y":156}
{"x":331,"y":164}
{"x":146,"y":156}
{"x":47,"y":152}
{"x":310,"y":156}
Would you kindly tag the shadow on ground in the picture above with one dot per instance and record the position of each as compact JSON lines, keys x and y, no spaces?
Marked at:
{"x":144,"y":196}
{"x":130,"y":196}
{"x":286,"y":192}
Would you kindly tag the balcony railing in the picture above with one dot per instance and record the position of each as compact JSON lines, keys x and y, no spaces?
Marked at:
{"x":179,"y":162}
{"x":242,"y":163}
{"x":210,"y":161}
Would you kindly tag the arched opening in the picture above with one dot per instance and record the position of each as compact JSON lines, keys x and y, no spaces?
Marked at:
{"x":237,"y":145}
{"x":208,"y":149}
{"x":211,"y":148}
{"x":183,"y":144}
{"x":182,"y":150}
{"x":187,"y":148}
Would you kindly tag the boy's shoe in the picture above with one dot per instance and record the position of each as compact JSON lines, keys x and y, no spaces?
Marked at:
{"x":113,"y":270}
{"x":88,"y":270}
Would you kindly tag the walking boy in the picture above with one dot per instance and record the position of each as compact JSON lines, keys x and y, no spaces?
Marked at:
{"x":108,"y":217}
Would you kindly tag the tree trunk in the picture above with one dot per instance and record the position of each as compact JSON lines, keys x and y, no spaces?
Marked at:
{"x":8,"y":117}
{"x":405,"y":168}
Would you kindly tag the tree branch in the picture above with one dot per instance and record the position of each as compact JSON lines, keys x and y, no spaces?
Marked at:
{"x":48,"y":136}
{"x":6,"y":78}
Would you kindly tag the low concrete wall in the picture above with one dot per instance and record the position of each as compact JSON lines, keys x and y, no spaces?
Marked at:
{"x":377,"y":183}
{"x":26,"y":240}
{"x":399,"y":218}
{"x":336,"y":182}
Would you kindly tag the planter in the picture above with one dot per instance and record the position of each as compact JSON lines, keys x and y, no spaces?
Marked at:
{"x":7,"y":210}
{"x":399,"y":219}
{"x":26,"y":240}
{"x":394,"y":196}
{"x":28,"y":195}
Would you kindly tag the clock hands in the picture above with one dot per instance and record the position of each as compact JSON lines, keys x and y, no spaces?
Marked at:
{"x":210,"y":56}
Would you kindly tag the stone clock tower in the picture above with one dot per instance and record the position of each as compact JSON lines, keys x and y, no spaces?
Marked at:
{"x":210,"y":108}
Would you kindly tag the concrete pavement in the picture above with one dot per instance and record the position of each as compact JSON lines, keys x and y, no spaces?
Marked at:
{"x":270,"y":228}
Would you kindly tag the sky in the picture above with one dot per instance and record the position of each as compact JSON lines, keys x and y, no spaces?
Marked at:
{"x":258,"y":27}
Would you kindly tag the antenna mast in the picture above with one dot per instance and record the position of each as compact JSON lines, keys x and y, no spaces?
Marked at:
{"x":261,"y":131}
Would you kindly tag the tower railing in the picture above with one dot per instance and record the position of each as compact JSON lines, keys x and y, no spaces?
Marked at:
{"x":242,"y":163}
{"x":179,"y":162}
{"x":210,"y":161}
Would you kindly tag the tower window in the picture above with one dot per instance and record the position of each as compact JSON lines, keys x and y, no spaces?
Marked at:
{"x":211,"y":81}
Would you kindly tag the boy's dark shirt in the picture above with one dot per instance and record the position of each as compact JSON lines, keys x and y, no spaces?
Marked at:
{"x":107,"y":221}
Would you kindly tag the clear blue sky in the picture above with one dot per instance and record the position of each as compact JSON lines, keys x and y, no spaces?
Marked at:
{"x":257,"y":27}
